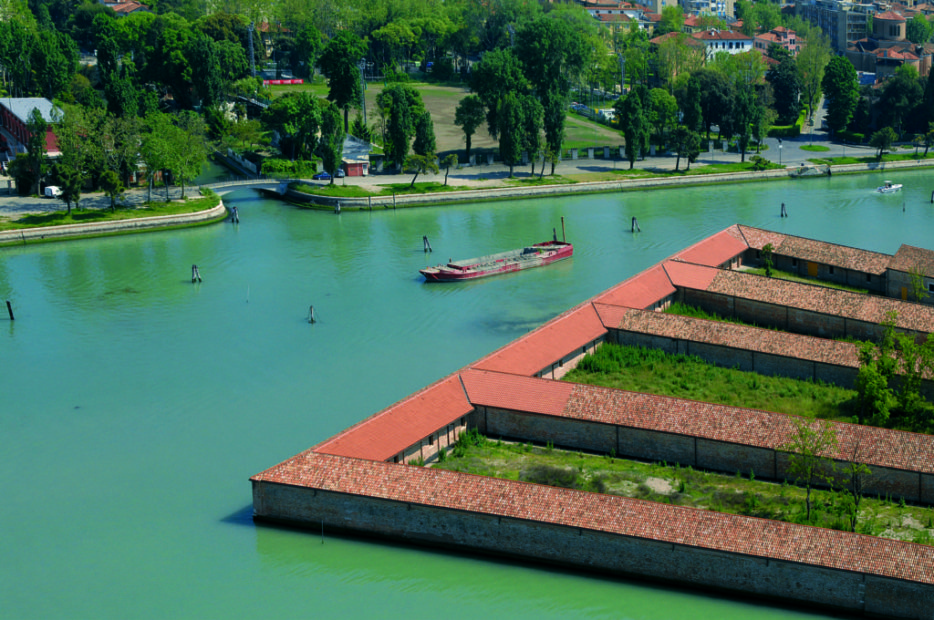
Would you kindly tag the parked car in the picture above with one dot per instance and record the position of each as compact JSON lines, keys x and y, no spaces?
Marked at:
{"x":322,"y":176}
{"x":339,"y":173}
{"x":53,"y":191}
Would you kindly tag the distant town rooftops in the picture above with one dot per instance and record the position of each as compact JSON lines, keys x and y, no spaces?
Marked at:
{"x":891,"y":16}
{"x":721,"y":35}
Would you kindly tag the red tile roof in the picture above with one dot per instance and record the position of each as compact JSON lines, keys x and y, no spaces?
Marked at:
{"x":720,"y":35}
{"x":891,"y":16}
{"x":910,"y":257}
{"x":606,"y":513}
{"x":741,"y":337}
{"x":858,"y":306}
{"x":493,"y":389}
{"x":818,"y":251}
{"x":394,"y":429}
{"x":687,"y":275}
{"x":640,"y":291}
{"x":547,"y":344}
{"x":715,"y":249}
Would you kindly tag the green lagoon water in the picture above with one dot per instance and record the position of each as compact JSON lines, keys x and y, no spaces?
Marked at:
{"x":134,"y":405}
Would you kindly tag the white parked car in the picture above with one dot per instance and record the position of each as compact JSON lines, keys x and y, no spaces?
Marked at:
{"x":53,"y":191}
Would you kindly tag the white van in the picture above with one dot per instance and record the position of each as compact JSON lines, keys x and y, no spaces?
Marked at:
{"x":53,"y":191}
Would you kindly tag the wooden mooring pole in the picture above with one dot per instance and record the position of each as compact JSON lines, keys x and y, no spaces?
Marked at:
{"x":195,"y":274}
{"x":563,"y":238}
{"x":9,"y":308}
{"x":311,"y":315}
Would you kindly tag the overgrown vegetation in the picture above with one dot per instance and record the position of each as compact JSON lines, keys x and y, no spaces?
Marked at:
{"x":741,"y":493}
{"x":780,"y":274}
{"x":686,"y":376}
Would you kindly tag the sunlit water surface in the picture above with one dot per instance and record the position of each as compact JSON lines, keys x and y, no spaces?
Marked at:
{"x":135,"y":405}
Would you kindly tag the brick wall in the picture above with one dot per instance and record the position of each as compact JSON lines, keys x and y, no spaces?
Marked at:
{"x":605,"y":552}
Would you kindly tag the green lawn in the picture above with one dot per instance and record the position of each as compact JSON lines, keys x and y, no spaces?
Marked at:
{"x":655,"y":372}
{"x":672,"y":484}
{"x":814,"y":147}
{"x":83,"y":216}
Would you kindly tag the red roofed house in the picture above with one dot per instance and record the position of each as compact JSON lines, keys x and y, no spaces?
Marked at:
{"x":780,"y":36}
{"x":125,"y":8}
{"x":888,"y":48}
{"x":724,"y":41}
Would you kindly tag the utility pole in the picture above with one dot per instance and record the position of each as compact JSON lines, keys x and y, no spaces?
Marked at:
{"x":363,"y":88}
{"x":622,"y":74}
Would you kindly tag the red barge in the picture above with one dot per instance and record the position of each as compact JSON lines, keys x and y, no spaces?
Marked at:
{"x":536,"y":255}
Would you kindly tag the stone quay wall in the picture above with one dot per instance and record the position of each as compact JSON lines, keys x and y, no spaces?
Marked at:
{"x":698,"y":452}
{"x":24,"y":235}
{"x":593,"y":550}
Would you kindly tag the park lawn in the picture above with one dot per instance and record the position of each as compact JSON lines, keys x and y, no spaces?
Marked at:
{"x":683,"y":486}
{"x":836,"y":161}
{"x":531,"y":181}
{"x":814,"y":147}
{"x":328,"y":189}
{"x":655,"y":372}
{"x":84,"y":216}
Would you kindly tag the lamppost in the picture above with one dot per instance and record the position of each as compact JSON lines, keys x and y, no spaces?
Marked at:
{"x":779,"y":151}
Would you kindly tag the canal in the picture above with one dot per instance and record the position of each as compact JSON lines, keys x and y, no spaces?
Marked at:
{"x":135,"y":405}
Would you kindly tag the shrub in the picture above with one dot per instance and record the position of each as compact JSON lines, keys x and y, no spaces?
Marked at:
{"x":551,"y":475}
{"x":851,"y":137}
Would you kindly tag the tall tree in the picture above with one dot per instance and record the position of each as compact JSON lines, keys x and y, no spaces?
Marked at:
{"x":188,"y":147}
{"x":305,"y":51}
{"x":918,"y":29}
{"x":400,"y":106}
{"x":424,"y":142}
{"x":687,"y":145}
{"x":716,"y":97}
{"x":811,"y":61}
{"x":469,"y":116}
{"x":331,"y":144}
{"x":882,"y":140}
{"x":340,"y":63}
{"x":634,"y":124}
{"x":786,"y":88}
{"x":841,"y":89}
{"x":552,"y":53}
{"x":745,"y":114}
{"x":510,"y":114}
{"x":298,"y":116}
{"x":36,"y":128}
{"x":532,"y":126}
{"x":663,"y":110}
{"x":900,"y":95}
{"x":496,"y":75}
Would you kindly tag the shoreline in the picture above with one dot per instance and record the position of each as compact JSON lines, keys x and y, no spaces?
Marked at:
{"x":316,"y":202}
{"x":45,"y":234}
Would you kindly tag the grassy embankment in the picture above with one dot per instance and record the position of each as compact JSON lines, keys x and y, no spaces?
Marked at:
{"x":84,"y":216}
{"x":872,"y":159}
{"x":684,"y":486}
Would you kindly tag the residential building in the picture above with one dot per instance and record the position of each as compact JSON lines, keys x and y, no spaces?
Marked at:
{"x":727,"y":41}
{"x":887,"y":48}
{"x":780,"y":36}
{"x":14,"y":116}
{"x":842,"y":21}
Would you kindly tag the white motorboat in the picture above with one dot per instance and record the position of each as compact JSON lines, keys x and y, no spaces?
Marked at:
{"x":889,"y":188}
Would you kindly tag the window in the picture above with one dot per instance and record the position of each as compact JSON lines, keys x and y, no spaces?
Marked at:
{"x":868,"y":278}
{"x":794,"y":262}
{"x":395,"y":459}
{"x":931,"y":287}
{"x":431,"y":440}
{"x":831,"y":270}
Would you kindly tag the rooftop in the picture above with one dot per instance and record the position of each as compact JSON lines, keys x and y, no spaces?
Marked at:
{"x":909,"y":257}
{"x":606,"y":513}
{"x":22,"y":107}
{"x":817,"y":251}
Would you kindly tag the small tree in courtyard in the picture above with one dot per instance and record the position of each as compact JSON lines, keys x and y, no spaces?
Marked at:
{"x":810,"y":447}
{"x":767,"y":259}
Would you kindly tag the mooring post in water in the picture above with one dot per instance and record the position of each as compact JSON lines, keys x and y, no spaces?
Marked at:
{"x":563,"y":238}
{"x":635,"y":225}
{"x":9,"y":308}
{"x":234,"y":215}
{"x":195,"y":274}
{"x":311,"y":315}
{"x":337,"y":208}
{"x":426,"y":243}
{"x":554,"y":235}
{"x":784,"y":212}
{"x":932,"y":198}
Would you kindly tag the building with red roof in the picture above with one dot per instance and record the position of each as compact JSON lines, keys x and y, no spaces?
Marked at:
{"x":719,"y":41}
{"x":780,"y":36}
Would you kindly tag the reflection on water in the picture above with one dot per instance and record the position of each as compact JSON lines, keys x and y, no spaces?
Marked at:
{"x":135,"y":405}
